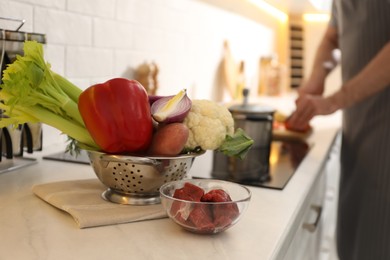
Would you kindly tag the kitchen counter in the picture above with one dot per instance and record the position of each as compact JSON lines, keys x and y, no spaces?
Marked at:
{"x":32,"y":229}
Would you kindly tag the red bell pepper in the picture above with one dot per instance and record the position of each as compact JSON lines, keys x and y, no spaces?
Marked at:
{"x":117,"y":115}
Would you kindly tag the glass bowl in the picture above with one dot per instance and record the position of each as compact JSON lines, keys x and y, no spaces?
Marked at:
{"x":211,"y":213}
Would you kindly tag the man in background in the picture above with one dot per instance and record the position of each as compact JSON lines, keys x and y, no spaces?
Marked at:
{"x":361,"y":30}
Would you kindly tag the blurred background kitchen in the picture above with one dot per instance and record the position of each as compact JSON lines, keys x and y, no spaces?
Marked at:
{"x":213,"y":48}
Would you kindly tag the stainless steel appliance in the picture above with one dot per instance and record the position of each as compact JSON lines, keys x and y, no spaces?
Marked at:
{"x":14,"y":141}
{"x":256,"y":121}
{"x":269,"y":163}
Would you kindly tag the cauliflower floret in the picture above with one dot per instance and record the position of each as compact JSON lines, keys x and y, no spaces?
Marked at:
{"x":209,"y":123}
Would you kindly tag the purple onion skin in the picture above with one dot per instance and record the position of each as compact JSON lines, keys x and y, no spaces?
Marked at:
{"x":154,"y":98}
{"x":176,"y":117}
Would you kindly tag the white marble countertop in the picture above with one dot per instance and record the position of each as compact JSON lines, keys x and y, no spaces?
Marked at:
{"x":33,"y":229}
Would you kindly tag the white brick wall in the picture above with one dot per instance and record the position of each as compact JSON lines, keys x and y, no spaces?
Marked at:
{"x":90,"y":41}
{"x":62,"y":27}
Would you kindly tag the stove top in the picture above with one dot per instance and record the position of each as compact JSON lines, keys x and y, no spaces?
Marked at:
{"x":274,"y":166}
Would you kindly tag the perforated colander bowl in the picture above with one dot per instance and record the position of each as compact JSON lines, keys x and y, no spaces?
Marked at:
{"x":137,"y":180}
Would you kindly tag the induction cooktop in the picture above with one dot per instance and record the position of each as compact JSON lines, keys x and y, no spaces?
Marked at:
{"x":274,"y":165}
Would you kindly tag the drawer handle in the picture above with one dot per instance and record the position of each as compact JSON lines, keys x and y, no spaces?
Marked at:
{"x":311,"y":227}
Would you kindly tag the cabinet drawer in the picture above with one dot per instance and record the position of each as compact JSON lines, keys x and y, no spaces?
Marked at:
{"x":305,"y":243}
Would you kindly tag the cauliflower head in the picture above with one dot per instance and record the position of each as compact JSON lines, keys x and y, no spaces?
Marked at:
{"x":209,"y":123}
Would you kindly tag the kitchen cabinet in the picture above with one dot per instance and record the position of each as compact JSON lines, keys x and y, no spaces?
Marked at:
{"x":307,"y":238}
{"x":328,"y":236}
{"x":315,"y":228}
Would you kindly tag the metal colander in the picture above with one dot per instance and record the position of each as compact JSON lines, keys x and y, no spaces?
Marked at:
{"x":137,"y":180}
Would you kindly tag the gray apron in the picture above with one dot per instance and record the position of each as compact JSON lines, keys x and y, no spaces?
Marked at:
{"x":363,"y":228}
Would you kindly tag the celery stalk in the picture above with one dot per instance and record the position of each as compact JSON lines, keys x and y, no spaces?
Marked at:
{"x":32,"y":92}
{"x":68,"y":87}
{"x":22,"y":114}
{"x":29,"y":77}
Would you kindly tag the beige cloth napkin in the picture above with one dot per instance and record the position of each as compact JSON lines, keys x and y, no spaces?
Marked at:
{"x":82,"y":200}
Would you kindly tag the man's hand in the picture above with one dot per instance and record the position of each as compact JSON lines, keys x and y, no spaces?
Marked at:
{"x":308,"y":106}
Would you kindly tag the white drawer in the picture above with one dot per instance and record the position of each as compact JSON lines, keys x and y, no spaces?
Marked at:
{"x":305,"y":243}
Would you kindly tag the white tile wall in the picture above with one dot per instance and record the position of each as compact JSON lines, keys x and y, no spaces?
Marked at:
{"x":91,"y":41}
{"x":88,"y":62}
{"x":62,"y":27}
{"x":17,"y":11}
{"x":98,"y":8}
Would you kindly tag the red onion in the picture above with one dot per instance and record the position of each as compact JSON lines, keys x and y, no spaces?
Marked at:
{"x":154,"y":98}
{"x":171,"y":109}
